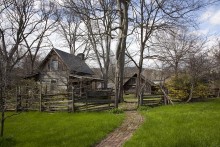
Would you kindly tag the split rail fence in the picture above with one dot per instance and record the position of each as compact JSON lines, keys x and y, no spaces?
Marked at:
{"x":152,"y":100}
{"x":35,"y":99}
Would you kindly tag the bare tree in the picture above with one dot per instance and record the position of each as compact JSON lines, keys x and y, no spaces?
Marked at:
{"x":179,"y":49}
{"x":19,"y":22}
{"x":173,"y":47}
{"x":98,"y":18}
{"x":198,"y":66}
{"x":48,"y":16}
{"x":217,"y":68}
{"x":11,"y":27}
{"x":70,"y":31}
{"x":123,"y":6}
{"x":215,"y":72}
{"x":153,"y":16}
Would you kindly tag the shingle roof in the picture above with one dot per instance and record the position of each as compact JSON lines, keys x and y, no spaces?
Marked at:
{"x":135,"y":75}
{"x":74,"y":63}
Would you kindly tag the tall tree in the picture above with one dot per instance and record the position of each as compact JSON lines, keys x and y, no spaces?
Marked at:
{"x":19,"y":22}
{"x":198,"y":66}
{"x":152,"y":16}
{"x":97,"y":19}
{"x":45,"y":24}
{"x":215,"y":72}
{"x":173,"y":47}
{"x":123,"y":6}
{"x":70,"y":31}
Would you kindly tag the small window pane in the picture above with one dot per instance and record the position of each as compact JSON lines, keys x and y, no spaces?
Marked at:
{"x":54,"y":65}
{"x":53,"y":85}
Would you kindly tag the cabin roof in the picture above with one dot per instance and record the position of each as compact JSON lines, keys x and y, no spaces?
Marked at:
{"x":73,"y":63}
{"x":134,"y":75}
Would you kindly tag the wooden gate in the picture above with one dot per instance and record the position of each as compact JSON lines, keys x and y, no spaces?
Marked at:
{"x":152,"y":100}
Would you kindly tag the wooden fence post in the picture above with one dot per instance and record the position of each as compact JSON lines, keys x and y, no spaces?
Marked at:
{"x":80,"y":88}
{"x":164,"y":99}
{"x":109,"y":102}
{"x":40,"y":108}
{"x":20,"y":98}
{"x":141,"y":99}
{"x":86,"y":101}
{"x":73,"y":99}
{"x":16,"y":109}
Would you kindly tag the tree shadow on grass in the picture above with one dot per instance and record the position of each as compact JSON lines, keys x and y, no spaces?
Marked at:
{"x":7,"y":141}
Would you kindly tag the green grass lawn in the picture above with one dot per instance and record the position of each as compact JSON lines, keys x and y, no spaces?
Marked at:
{"x":183,"y":125}
{"x":35,"y":129}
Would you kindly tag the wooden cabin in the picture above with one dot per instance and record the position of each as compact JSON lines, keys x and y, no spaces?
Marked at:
{"x":130,"y":84}
{"x":60,"y":71}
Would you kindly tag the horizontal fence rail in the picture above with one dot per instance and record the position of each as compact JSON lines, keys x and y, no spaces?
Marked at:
{"x":31,"y":98}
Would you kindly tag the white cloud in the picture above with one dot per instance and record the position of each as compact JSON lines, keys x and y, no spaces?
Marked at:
{"x":215,"y":19}
{"x":206,"y":15}
{"x":212,"y":17}
{"x":200,"y":32}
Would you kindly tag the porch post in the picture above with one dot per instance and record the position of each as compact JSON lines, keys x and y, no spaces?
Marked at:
{"x":80,"y":93}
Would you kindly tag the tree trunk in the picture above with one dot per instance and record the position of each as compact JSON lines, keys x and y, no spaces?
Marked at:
{"x":120,"y":52}
{"x":2,"y":122}
{"x":191,"y":92}
{"x":105,"y":78}
{"x":2,"y":112}
{"x":218,"y":94}
{"x":107,"y":61}
{"x":139,"y":86}
{"x":141,"y":94}
{"x":116,"y":86}
{"x":167,"y":99}
{"x":138,"y":82}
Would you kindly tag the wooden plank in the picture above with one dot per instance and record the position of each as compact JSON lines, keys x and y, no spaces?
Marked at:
{"x":152,"y":96}
{"x":56,"y":98}
{"x":57,"y":106}
{"x":96,"y":109}
{"x":58,"y":102}
{"x":57,"y":94}
{"x":148,"y":101}
{"x":94,"y":101}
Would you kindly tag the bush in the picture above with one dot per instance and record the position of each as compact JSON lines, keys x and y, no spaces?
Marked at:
{"x":201,"y":90}
{"x":179,"y":87}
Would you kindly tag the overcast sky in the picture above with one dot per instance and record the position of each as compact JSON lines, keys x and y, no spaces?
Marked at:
{"x":208,"y":20}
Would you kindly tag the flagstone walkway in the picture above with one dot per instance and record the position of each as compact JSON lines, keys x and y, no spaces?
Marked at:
{"x":118,"y":137}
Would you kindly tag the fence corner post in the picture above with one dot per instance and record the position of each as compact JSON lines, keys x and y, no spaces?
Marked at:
{"x":109,"y":102}
{"x":73,"y":100}
{"x":40,"y":108}
{"x":86,"y":101}
{"x":16,"y":107}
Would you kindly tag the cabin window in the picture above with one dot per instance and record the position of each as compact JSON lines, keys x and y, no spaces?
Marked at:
{"x":53,"y":85}
{"x":54,"y":65}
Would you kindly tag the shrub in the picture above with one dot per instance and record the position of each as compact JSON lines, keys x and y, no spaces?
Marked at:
{"x":179,"y":87}
{"x":201,"y":90}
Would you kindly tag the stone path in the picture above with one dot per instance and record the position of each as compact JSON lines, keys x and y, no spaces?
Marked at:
{"x":118,"y":137}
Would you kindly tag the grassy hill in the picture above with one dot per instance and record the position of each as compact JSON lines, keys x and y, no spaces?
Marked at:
{"x":183,"y":125}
